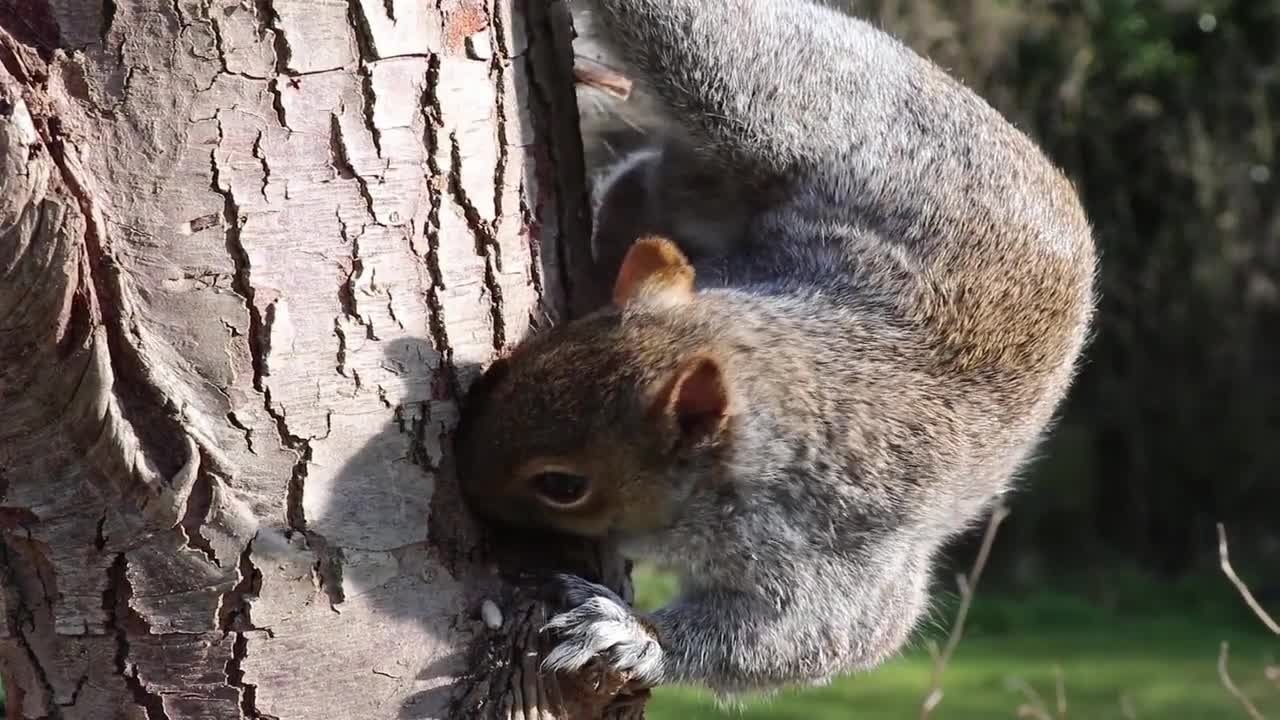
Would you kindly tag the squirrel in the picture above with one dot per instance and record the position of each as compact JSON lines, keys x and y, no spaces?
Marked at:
{"x":849,"y":300}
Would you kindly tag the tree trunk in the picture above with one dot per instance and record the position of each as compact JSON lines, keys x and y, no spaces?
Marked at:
{"x":251,"y":253}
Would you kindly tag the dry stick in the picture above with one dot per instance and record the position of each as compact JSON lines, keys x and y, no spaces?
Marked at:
{"x":1243,"y":589}
{"x":1240,"y":586}
{"x":1127,"y":709}
{"x":1034,"y":713}
{"x":1035,"y":706}
{"x":1225,"y":676}
{"x":967,"y":587}
{"x":601,"y":77}
{"x":1061,"y":687}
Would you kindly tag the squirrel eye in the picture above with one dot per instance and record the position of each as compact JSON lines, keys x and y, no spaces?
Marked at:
{"x":560,"y":488}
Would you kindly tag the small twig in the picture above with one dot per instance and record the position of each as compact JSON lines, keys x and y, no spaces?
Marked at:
{"x":1127,"y":709}
{"x":1027,"y":711}
{"x":601,"y":77}
{"x":967,"y":586}
{"x":1235,"y":692}
{"x":1061,"y":687}
{"x":932,"y":646}
{"x":1035,"y":706}
{"x":1240,"y":585}
{"x":933,"y":698}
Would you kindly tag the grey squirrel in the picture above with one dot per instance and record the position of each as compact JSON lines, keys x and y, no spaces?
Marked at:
{"x":849,"y":299}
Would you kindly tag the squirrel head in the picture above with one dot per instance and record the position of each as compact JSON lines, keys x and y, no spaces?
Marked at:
{"x":605,"y":424}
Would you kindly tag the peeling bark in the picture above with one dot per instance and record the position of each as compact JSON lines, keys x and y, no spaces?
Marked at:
{"x":251,"y":253}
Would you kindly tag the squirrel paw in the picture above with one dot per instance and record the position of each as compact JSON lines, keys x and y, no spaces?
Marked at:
{"x":601,"y":625}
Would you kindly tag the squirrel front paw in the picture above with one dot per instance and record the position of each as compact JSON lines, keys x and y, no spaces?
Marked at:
{"x":601,"y":625}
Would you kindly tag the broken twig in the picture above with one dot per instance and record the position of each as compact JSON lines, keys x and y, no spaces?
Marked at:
{"x":1249,"y":600}
{"x":1127,"y":708}
{"x":1225,"y":676}
{"x":967,"y":586}
{"x":601,"y":77}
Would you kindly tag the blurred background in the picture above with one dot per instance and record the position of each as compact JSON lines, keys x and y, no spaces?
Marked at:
{"x":1166,"y":113}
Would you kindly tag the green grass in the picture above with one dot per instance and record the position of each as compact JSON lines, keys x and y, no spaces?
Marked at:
{"x":1164,"y":658}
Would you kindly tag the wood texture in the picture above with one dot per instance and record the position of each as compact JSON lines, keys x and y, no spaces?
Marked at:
{"x":251,"y":251}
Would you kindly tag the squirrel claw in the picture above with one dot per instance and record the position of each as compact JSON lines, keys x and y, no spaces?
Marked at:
{"x":575,"y":591}
{"x":600,"y":625}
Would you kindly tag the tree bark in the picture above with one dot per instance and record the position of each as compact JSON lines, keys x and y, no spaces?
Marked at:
{"x":251,"y":254}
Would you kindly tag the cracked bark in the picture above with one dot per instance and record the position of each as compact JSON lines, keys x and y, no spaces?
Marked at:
{"x":251,"y":253}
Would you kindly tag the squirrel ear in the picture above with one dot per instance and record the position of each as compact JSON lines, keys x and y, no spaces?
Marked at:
{"x":698,"y":400}
{"x":653,"y":265}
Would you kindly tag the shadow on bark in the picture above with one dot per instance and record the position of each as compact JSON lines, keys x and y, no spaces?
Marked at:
{"x":496,"y":674}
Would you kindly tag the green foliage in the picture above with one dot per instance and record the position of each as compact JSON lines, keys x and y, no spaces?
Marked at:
{"x":1135,"y":38}
{"x":1164,"y":113}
